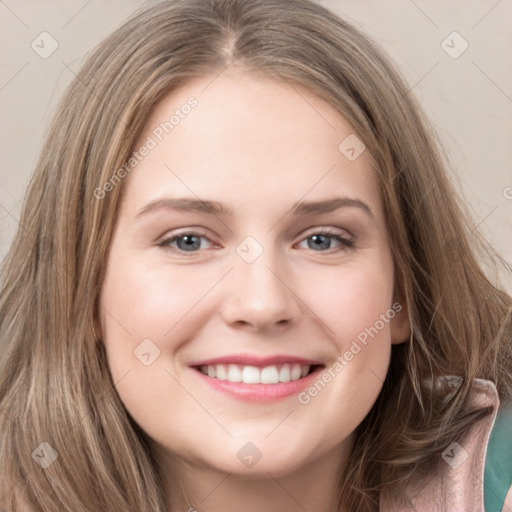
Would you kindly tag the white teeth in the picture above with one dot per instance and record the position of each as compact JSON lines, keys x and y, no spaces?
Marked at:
{"x":234,"y":373}
{"x":269,"y":375}
{"x":284,"y":373}
{"x":251,"y":375}
{"x":295,"y":372}
{"x":272,"y":374}
{"x":222,"y":374}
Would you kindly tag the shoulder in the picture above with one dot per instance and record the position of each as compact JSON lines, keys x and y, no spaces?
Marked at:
{"x":455,"y":481}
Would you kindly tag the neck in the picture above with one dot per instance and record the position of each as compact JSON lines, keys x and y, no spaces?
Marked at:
{"x":312,"y":487}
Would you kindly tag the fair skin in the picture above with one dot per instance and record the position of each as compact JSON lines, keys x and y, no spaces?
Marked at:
{"x":257,"y":146}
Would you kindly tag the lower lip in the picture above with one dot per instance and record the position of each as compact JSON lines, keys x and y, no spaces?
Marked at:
{"x":260,"y":392}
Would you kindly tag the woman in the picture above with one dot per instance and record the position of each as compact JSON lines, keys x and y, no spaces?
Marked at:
{"x":324,"y":333}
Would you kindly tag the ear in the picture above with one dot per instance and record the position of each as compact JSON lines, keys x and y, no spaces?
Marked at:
{"x":399,"y":325}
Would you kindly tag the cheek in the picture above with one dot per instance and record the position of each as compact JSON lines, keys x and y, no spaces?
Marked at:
{"x":146,"y":314}
{"x":355,"y":303}
{"x":351,"y":299}
{"x":140,"y":301}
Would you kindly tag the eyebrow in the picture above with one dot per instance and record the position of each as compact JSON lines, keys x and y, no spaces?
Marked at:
{"x":189,"y":204}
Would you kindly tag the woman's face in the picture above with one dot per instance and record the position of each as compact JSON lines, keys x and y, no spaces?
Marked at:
{"x":250,"y":250}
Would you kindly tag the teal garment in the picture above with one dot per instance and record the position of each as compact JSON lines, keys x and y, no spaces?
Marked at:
{"x":498,"y":461}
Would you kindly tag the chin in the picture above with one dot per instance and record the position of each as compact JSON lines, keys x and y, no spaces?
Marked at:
{"x":255,"y":460}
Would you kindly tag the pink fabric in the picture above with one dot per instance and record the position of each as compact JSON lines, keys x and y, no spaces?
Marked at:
{"x":457,"y":485}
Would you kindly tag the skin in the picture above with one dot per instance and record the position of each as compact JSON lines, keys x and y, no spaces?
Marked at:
{"x":258,"y":146}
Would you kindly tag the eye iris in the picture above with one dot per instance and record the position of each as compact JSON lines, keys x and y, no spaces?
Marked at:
{"x":191,"y":242}
{"x":320,"y":241}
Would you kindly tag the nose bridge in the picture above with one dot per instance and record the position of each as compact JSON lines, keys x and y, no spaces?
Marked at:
{"x":258,"y":292}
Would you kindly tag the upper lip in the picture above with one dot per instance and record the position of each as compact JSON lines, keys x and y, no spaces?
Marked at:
{"x":251,"y":360}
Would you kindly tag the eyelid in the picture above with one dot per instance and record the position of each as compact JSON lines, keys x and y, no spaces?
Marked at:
{"x":328,"y":230}
{"x":189,"y":230}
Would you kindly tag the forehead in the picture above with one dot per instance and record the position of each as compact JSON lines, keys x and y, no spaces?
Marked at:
{"x":246,"y":137}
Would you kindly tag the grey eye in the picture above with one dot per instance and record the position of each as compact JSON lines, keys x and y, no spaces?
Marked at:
{"x":188,"y":242}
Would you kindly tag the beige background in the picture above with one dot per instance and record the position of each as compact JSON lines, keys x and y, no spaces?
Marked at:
{"x":469,"y":98}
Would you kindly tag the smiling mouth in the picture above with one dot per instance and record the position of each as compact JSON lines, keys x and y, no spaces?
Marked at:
{"x":247,"y":374}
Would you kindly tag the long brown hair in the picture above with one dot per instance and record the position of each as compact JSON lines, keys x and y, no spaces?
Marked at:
{"x":55,"y":386}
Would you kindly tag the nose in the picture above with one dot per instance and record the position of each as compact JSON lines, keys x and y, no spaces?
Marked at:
{"x":260,"y":296}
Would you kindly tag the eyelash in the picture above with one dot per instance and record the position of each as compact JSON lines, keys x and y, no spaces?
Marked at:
{"x":346,"y":244}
